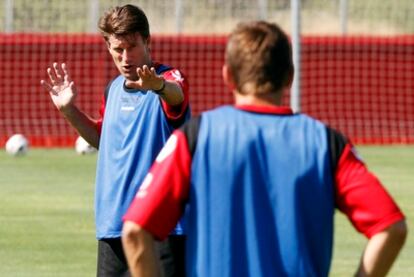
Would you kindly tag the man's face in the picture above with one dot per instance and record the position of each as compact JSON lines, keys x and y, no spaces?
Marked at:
{"x":128,"y":53}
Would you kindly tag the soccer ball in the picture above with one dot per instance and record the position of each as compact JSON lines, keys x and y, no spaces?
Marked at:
{"x":82,"y":147}
{"x":17,"y":145}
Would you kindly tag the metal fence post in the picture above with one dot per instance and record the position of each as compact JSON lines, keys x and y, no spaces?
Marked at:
{"x":178,"y":16}
{"x":343,"y":14}
{"x":262,"y":9}
{"x":93,"y":15}
{"x":8,"y":16}
{"x":296,"y":29}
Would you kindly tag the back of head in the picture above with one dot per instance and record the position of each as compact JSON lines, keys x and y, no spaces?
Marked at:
{"x":124,"y":21}
{"x":259,"y":57}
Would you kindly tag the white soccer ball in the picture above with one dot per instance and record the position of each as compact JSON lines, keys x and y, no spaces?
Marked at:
{"x":82,"y":147}
{"x":17,"y":145}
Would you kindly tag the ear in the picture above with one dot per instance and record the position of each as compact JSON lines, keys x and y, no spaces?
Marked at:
{"x":228,"y":77}
{"x":108,"y":44}
{"x":148,"y":43}
{"x":290,"y":78}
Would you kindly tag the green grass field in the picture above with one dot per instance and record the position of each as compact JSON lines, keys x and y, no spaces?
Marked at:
{"x":46,"y":213}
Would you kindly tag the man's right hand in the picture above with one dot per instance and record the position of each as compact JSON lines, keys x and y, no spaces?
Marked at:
{"x":61,"y":88}
{"x":63,"y":92}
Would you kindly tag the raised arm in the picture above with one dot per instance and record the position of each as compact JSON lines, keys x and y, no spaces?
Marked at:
{"x":169,"y":91}
{"x":63,"y":93}
{"x":382,"y":250}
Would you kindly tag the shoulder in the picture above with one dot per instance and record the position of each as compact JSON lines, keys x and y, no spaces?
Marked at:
{"x":169,"y":72}
{"x":338,"y":143}
{"x":190,"y":130}
{"x":119,"y":80}
{"x":222,"y":111}
{"x":192,"y":127}
{"x":116,"y":80}
{"x":336,"y":140}
{"x":161,"y":68}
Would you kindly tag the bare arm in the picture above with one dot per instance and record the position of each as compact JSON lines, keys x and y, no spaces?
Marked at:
{"x":63,"y":93}
{"x":139,"y":250}
{"x":84,"y":125}
{"x":172,"y":93}
{"x":382,"y":250}
{"x":169,"y":91}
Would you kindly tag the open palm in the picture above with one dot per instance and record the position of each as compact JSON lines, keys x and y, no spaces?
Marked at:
{"x":148,"y":79}
{"x":61,"y":88}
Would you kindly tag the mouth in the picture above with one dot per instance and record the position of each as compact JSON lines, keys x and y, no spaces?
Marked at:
{"x":128,"y":68}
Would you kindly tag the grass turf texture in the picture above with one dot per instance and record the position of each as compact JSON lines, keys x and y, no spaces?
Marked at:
{"x":46,"y":212}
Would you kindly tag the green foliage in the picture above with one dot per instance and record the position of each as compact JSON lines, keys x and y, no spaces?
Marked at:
{"x":47,"y":224}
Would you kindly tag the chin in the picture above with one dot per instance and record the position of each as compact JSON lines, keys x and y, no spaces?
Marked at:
{"x":130,"y":77}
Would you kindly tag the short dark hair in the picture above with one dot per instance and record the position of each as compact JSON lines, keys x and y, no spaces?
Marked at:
{"x":259,"y":57}
{"x":124,"y":21}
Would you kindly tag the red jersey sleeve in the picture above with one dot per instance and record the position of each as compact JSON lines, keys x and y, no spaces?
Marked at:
{"x":360,"y":195}
{"x":160,"y":200}
{"x":176,"y":113}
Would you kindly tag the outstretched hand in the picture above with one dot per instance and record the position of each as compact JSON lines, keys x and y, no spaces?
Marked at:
{"x":148,"y":79}
{"x":61,"y":88}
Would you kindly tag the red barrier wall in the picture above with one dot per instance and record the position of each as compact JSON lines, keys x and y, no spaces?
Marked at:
{"x":361,"y":86}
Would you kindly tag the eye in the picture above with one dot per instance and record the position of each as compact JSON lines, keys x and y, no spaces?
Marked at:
{"x":118,"y":50}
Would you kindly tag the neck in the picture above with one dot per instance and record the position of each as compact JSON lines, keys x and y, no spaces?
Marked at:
{"x":269,"y":99}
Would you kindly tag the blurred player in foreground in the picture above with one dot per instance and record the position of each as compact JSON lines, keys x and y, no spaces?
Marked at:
{"x":141,"y":107}
{"x":259,"y":184}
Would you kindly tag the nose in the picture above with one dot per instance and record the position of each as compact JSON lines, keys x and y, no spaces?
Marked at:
{"x":126,"y":56}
